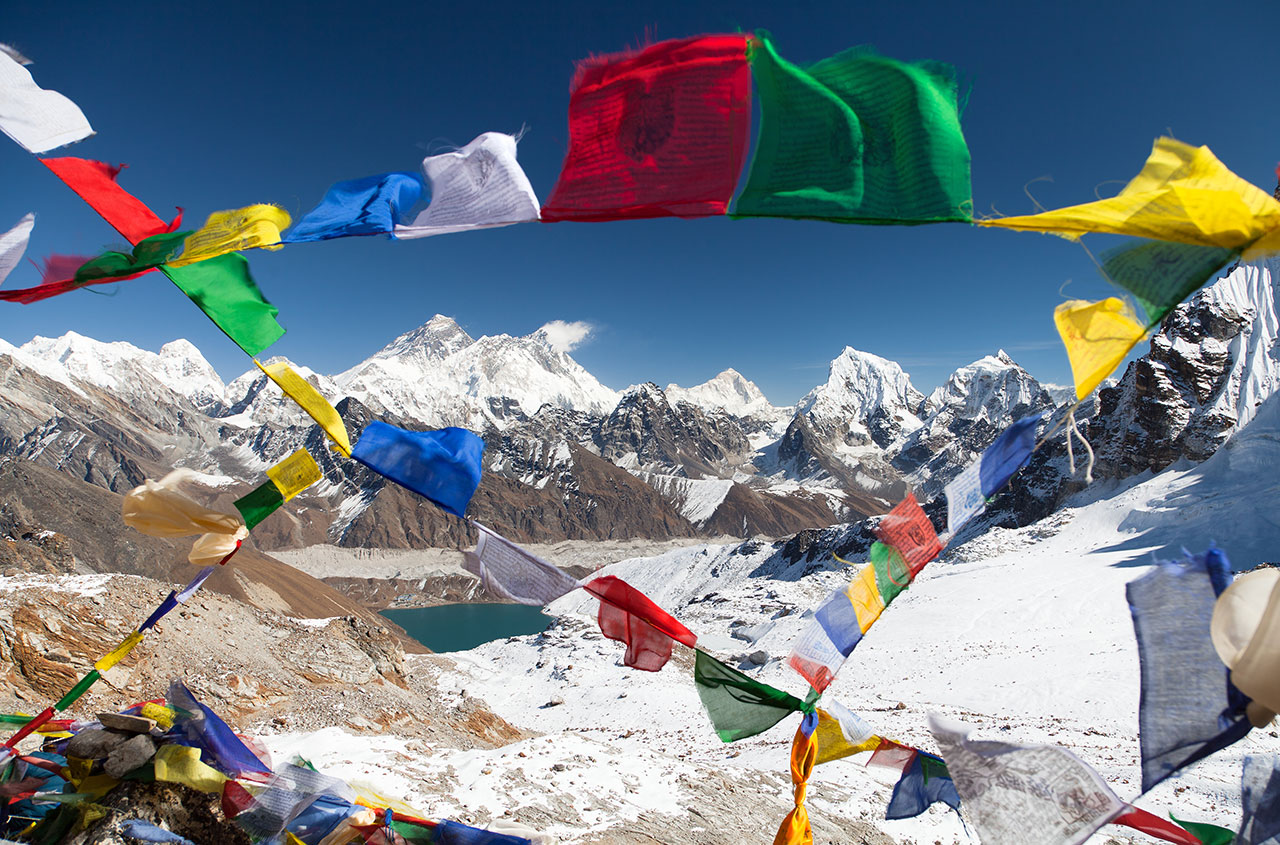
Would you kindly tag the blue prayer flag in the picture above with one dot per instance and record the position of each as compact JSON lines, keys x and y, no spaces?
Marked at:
{"x":1260,"y":800}
{"x":923,"y":783}
{"x":443,"y":466}
{"x":1007,"y":455}
{"x":369,"y":206}
{"x":840,"y":621}
{"x":204,"y":729}
{"x":453,"y":833}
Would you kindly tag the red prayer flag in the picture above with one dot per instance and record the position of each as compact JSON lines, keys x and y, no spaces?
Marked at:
{"x":59,"y":277}
{"x":1153,"y":825}
{"x":659,"y":132}
{"x":909,"y":530}
{"x":627,"y":615}
{"x":892,"y":755}
{"x":95,"y":182}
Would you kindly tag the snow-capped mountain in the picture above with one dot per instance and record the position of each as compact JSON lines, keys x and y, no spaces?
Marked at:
{"x":729,"y":391}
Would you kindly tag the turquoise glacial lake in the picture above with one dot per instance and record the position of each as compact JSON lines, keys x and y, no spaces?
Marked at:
{"x":458,"y":627}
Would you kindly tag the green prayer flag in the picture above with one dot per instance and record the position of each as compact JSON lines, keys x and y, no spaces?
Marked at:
{"x":738,"y":706}
{"x":259,"y":503}
{"x":1160,"y":274}
{"x":856,"y":138}
{"x":1208,"y":834}
{"x":227,"y":294}
{"x":892,"y":573}
{"x":81,"y":687}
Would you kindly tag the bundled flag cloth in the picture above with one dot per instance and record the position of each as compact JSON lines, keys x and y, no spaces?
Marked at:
{"x":251,"y":227}
{"x":856,"y":138}
{"x":659,"y":132}
{"x":284,"y":481}
{"x":228,"y":295}
{"x":1182,"y":194}
{"x":443,"y":466}
{"x":38,"y":119}
{"x":740,"y":707}
{"x":1245,"y":629}
{"x":507,"y":570}
{"x":968,"y":492}
{"x":795,"y":829}
{"x":309,"y":399}
{"x":369,"y":206}
{"x":1030,"y":794}
{"x":480,"y":186}
{"x":1160,"y":274}
{"x":1188,"y":710}
{"x":95,"y":182}
{"x":1260,"y":800}
{"x":1098,"y":336}
{"x":627,"y":615}
{"x":13,"y":244}
{"x":160,"y":509}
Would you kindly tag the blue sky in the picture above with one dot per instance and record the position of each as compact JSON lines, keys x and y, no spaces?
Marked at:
{"x":219,"y":106}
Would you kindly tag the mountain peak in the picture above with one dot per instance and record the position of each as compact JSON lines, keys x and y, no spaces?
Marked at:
{"x":728,"y":391}
{"x":436,"y":338}
{"x":859,"y":383}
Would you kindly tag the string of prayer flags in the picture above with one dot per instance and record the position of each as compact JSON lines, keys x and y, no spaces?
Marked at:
{"x":795,"y":829}
{"x":251,"y":227}
{"x":508,"y":571}
{"x":1245,"y":629}
{"x":629,"y":616}
{"x":1160,"y":274}
{"x":96,"y":184}
{"x":967,"y":493}
{"x":1098,"y":336}
{"x":204,"y":729}
{"x":1182,"y":194}
{"x":309,"y":399}
{"x":228,"y":295}
{"x":443,"y":466}
{"x":480,"y":186}
{"x":372,"y":205}
{"x":658,"y":132}
{"x":13,"y":244}
{"x":37,"y":118}
{"x":1152,"y":825}
{"x":907,"y":528}
{"x":285,"y":480}
{"x":856,"y":138}
{"x":176,"y":598}
{"x":1260,"y":800}
{"x":1030,"y":794}
{"x":161,"y":509}
{"x":1187,"y":709}
{"x":112,"y":266}
{"x":740,"y":707}
{"x":925,"y":781}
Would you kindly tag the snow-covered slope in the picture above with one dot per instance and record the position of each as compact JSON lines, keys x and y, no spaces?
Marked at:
{"x":729,"y":391}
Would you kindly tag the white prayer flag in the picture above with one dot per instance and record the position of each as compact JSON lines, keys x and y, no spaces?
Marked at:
{"x":13,"y":244}
{"x":509,"y":571}
{"x":964,"y":496}
{"x":1024,"y":794}
{"x":37,"y":119}
{"x":480,"y":186}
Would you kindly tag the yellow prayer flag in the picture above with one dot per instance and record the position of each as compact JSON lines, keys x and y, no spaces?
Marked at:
{"x":865,"y":597}
{"x":228,"y":231}
{"x":309,"y":399}
{"x":181,"y":764}
{"x":833,"y":744}
{"x":1098,"y":336}
{"x":1182,"y":194}
{"x":163,"y":716}
{"x":295,"y":474}
{"x":118,"y":653}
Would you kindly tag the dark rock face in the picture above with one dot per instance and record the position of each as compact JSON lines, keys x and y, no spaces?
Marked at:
{"x":680,"y":440}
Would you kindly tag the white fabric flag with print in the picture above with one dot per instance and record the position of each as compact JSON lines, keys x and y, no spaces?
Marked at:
{"x":509,"y":571}
{"x":37,"y":119}
{"x":964,"y":496}
{"x":1024,"y":794}
{"x":13,"y":244}
{"x":480,"y":186}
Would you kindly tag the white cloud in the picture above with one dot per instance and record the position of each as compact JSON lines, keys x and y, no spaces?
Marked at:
{"x":565,"y":337}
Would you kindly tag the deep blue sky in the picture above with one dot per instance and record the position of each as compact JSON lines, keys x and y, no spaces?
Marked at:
{"x":220,"y":105}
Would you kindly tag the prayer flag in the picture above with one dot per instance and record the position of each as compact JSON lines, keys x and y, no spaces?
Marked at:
{"x":1182,"y":194}
{"x":228,"y":295}
{"x":1260,"y":800}
{"x":924,"y":782}
{"x":507,"y":570}
{"x":1030,"y":794}
{"x":290,"y":789}
{"x":740,"y":707}
{"x":1160,"y":274}
{"x":795,"y":829}
{"x":259,"y":503}
{"x":37,"y":118}
{"x":1245,"y":629}
{"x":182,"y":764}
{"x":109,"y":267}
{"x":907,"y":529}
{"x":455,"y":833}
{"x":443,"y":466}
{"x":1152,"y":825}
{"x":964,"y":496}
{"x":160,"y":509}
{"x":841,"y":734}
{"x":659,"y":132}
{"x":1008,"y":454}
{"x":480,"y":186}
{"x":1186,"y":711}
{"x":627,"y":615}
{"x":95,"y":182}
{"x":206,"y":731}
{"x":856,"y":138}
{"x":250,"y":227}
{"x":892,"y":755}
{"x":309,"y":399}
{"x":295,"y":473}
{"x":120,"y":652}
{"x":1098,"y":336}
{"x":369,"y":206}
{"x":13,"y":244}
{"x":1208,"y":834}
